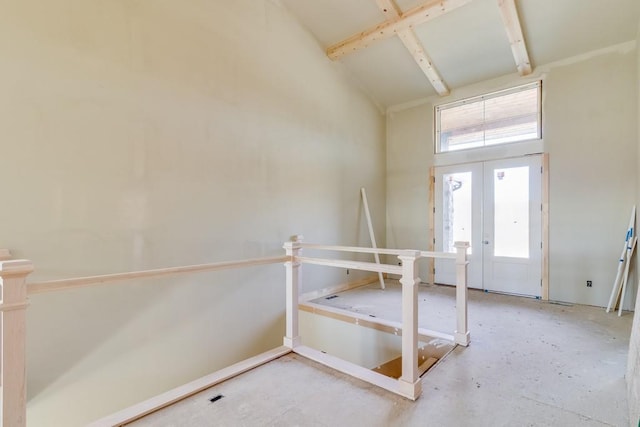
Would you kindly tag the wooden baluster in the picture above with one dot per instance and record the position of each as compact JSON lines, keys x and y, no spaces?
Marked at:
{"x":409,"y":383}
{"x":462,"y":335}
{"x":292,"y":337}
{"x":13,"y":290}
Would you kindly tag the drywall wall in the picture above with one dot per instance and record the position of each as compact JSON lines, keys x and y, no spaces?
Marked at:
{"x":591,"y":135}
{"x":590,"y":132}
{"x":151,"y":134}
{"x":633,"y":364}
{"x":349,"y":341}
{"x":409,"y":156}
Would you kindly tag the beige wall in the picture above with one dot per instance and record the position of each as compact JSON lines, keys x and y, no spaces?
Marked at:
{"x":633,"y":365}
{"x":150,"y":134}
{"x":590,"y":133}
{"x":409,"y":156}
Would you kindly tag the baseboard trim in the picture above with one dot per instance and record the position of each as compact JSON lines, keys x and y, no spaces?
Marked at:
{"x":170,"y":397}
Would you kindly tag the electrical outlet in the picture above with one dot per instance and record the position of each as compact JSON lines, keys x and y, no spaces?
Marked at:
{"x":589,"y":283}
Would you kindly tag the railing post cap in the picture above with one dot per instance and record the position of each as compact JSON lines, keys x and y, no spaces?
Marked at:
{"x":461,"y":244}
{"x":15,"y":267}
{"x":294,"y":242}
{"x":5,"y":255}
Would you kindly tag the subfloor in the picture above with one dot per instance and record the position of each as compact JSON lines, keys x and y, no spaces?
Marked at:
{"x":530,"y":363}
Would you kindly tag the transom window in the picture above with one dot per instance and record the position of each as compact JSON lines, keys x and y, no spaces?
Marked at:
{"x":503,"y":117}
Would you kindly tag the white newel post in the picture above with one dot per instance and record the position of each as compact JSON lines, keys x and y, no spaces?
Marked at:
{"x":292,"y":337}
{"x":462,"y":335}
{"x":410,"y":384}
{"x":13,"y":290}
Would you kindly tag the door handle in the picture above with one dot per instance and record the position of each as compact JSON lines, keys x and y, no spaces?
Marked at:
{"x":486,"y":242}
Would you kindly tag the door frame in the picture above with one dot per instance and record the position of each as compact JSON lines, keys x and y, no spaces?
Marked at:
{"x":544,"y":294}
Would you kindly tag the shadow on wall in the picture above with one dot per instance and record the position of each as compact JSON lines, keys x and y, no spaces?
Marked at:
{"x":135,"y":331}
{"x":58,"y":340}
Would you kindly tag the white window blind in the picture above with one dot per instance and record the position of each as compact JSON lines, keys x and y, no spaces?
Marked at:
{"x":498,"y":118}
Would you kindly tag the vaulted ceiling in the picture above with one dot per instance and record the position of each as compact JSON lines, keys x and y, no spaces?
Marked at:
{"x":402,"y":50}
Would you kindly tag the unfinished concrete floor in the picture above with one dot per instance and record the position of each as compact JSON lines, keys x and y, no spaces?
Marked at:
{"x":530,"y":363}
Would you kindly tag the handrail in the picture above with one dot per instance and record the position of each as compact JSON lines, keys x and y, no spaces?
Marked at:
{"x":441,"y":255}
{"x":353,"y":265}
{"x":381,"y":251}
{"x":63,"y":284}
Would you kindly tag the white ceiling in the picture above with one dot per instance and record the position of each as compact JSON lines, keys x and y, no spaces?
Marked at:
{"x":468,"y":44}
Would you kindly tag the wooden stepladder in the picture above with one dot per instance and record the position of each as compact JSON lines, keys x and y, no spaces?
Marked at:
{"x":620,"y":283}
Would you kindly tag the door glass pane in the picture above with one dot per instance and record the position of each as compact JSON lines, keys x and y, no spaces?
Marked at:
{"x":511,"y":212}
{"x":456,"y":210}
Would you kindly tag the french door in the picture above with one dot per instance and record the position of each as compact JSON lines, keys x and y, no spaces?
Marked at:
{"x":497,"y":207}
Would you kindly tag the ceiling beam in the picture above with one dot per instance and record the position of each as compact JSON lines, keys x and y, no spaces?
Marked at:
{"x":511,"y":22}
{"x":413,"y":45}
{"x":407,"y":20}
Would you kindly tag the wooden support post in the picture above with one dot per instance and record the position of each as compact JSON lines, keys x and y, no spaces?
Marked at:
{"x":409,"y":19}
{"x":409,"y":383}
{"x":462,"y":335}
{"x":509,"y":14}
{"x":5,"y":255}
{"x":414,"y":46}
{"x":292,"y":336}
{"x":13,"y":289}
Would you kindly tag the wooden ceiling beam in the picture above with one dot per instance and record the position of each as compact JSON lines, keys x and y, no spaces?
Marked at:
{"x":511,"y":22}
{"x":413,"y":45}
{"x":407,"y":20}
